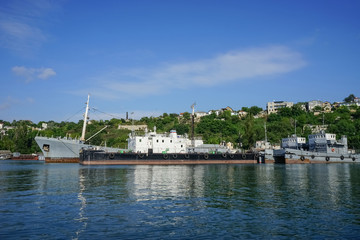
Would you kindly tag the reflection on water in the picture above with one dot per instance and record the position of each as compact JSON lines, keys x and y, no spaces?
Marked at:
{"x":161,"y":182}
{"x":82,"y":219}
{"x":198,"y":201}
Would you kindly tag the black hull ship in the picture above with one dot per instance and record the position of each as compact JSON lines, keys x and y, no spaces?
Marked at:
{"x":101,"y":157}
{"x":166,"y":149}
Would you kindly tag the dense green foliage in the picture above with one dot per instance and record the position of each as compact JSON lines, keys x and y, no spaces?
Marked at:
{"x":242,"y":132}
{"x":19,"y":139}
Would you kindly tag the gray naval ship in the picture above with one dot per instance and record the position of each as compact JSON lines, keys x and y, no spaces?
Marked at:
{"x":67,"y":150}
{"x":321,"y":148}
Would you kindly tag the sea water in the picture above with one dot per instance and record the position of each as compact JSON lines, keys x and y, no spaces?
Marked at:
{"x":260,"y":201}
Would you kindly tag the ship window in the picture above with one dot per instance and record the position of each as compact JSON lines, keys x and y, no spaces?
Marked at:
{"x":46,"y":147}
{"x":139,"y":140}
{"x":171,"y":141}
{"x":181,"y":145}
{"x":162,"y":140}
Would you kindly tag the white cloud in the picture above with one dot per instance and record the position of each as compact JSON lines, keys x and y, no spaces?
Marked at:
{"x":20,"y":37}
{"x":234,"y":66}
{"x":33,"y":73}
{"x":20,"y":23}
{"x":45,"y":73}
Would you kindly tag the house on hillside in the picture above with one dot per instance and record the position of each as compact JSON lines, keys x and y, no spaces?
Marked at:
{"x":242,"y":114}
{"x":356,"y":102}
{"x":133,"y":127}
{"x":327,"y":107}
{"x":227,"y":109}
{"x":273,"y":107}
{"x":200,"y":114}
{"x":313,"y":104}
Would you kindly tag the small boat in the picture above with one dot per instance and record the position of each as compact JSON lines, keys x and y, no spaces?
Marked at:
{"x":5,"y":154}
{"x":19,"y":156}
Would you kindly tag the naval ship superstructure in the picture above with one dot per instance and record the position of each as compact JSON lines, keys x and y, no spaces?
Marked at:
{"x":322,"y":147}
{"x":66,"y":149}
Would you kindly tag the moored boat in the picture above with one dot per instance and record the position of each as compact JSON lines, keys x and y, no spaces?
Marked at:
{"x":5,"y":154}
{"x":19,"y":156}
{"x":321,"y":148}
{"x":66,"y":149}
{"x":166,"y":149}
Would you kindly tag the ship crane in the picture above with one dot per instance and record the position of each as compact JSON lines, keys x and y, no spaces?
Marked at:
{"x":87,"y":140}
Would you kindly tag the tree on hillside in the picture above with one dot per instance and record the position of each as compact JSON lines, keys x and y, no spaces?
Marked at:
{"x":186,"y":115}
{"x":284,"y":112}
{"x":317,"y":109}
{"x":23,"y":138}
{"x":350,"y":98}
{"x":226,"y":115}
{"x":249,"y":137}
{"x":254,"y":110}
{"x":182,"y":129}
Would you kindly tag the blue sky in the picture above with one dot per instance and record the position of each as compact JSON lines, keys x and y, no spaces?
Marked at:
{"x":151,"y":57}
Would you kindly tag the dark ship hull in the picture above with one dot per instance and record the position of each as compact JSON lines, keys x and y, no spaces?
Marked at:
{"x":99,"y":157}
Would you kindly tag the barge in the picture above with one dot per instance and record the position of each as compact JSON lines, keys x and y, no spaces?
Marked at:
{"x":101,"y":157}
{"x":166,"y":149}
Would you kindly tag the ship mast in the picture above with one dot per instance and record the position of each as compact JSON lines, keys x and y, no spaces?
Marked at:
{"x":85,"y":119}
{"x":193,"y":125}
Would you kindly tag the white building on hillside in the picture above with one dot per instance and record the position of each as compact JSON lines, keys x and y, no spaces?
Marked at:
{"x":312,"y":104}
{"x":201,"y":114}
{"x":273,"y":107}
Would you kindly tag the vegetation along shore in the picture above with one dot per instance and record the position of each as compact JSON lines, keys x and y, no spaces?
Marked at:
{"x":242,"y":128}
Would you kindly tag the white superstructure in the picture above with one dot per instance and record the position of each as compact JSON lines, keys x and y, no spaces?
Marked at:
{"x":273,"y":107}
{"x":160,"y":143}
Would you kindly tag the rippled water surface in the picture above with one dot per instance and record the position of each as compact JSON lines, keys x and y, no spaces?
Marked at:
{"x":68,"y":201}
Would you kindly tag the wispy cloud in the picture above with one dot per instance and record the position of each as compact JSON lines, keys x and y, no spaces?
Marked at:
{"x":20,"y":23}
{"x":8,"y":103}
{"x":234,"y":66}
{"x":30,"y":74}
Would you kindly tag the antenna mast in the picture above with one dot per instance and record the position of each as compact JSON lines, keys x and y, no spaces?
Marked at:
{"x":85,"y":119}
{"x":265,"y":133}
{"x":192,"y":124}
